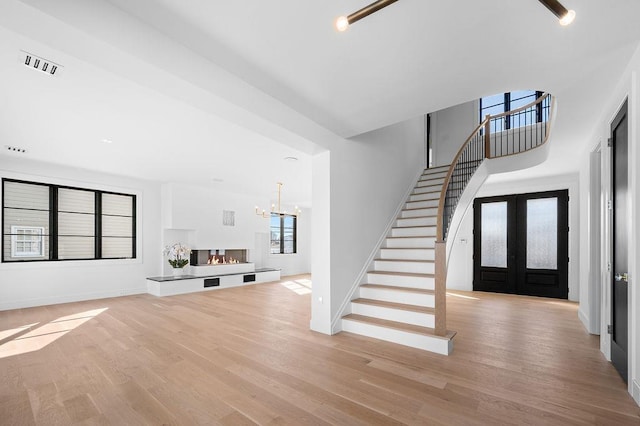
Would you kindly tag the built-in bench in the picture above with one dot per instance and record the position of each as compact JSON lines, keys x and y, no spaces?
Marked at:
{"x":171,"y":285}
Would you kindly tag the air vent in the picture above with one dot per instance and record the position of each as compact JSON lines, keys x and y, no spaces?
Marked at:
{"x":38,"y":63}
{"x":16,"y":149}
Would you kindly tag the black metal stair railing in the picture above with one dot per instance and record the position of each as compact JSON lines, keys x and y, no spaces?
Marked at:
{"x":500,"y":135}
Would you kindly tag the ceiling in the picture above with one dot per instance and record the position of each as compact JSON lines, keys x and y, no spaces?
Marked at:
{"x":197,"y":90}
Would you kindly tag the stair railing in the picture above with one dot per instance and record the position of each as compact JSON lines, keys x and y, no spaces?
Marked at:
{"x":500,"y":135}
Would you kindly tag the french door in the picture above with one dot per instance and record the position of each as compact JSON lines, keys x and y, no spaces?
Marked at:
{"x":521,"y":244}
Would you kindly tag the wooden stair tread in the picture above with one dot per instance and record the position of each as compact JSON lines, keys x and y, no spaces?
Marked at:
{"x":408,"y":248}
{"x":409,"y":328}
{"x":421,"y":226}
{"x":396,"y":288}
{"x":402,"y":274}
{"x":404,"y":260}
{"x":394,"y":305}
{"x":416,"y":217}
{"x":418,"y":208}
{"x":408,"y":237}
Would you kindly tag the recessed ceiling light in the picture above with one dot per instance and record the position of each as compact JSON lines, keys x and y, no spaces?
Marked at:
{"x":106,"y":141}
{"x":39,"y":63}
{"x":218,"y":180}
{"x":290,"y":158}
{"x":16,"y":149}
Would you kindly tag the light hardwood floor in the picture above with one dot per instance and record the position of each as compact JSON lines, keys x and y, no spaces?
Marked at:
{"x":246,"y":355}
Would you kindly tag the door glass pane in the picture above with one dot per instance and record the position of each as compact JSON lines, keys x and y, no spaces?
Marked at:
{"x":542,"y":233}
{"x":494,"y":235}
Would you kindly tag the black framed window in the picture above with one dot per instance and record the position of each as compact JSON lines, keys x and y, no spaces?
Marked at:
{"x":44,"y":222}
{"x":284,"y":233}
{"x":509,"y":101}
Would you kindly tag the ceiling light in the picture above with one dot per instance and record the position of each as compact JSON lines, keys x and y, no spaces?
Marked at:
{"x":291,"y":159}
{"x":38,"y":63}
{"x":565,"y":16}
{"x":17,"y":149}
{"x":277,"y":210}
{"x":343,"y":22}
{"x":568,"y":18}
{"x":107,"y":141}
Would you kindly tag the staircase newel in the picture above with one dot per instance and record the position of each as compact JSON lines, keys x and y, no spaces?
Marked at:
{"x":440,"y":288}
{"x":487,"y":136}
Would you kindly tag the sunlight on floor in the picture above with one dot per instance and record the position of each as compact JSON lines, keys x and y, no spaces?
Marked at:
{"x":40,"y":337}
{"x":462,"y":297}
{"x":302,"y":286}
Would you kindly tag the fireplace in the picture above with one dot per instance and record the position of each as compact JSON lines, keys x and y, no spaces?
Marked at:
{"x":218,"y":257}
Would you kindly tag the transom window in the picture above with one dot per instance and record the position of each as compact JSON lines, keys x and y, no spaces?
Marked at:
{"x":284,"y":233}
{"x":51,"y":222}
{"x":509,"y":101}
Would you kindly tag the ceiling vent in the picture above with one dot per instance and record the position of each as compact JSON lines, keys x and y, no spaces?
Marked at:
{"x":40,"y":64}
{"x":16,"y":149}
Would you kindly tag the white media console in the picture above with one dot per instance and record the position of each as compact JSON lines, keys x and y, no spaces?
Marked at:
{"x":211,"y":277}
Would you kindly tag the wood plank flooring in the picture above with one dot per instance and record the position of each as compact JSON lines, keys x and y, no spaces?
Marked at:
{"x":246,"y":356}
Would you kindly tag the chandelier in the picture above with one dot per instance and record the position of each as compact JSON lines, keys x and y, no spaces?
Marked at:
{"x":263,"y":213}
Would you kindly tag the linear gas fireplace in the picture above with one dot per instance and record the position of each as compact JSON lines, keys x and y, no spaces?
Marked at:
{"x":212,"y":257}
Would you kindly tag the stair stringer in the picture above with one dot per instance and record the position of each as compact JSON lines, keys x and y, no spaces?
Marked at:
{"x":345,"y":307}
{"x":489,"y":167}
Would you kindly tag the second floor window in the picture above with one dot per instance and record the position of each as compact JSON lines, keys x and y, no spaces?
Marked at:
{"x":509,"y":101}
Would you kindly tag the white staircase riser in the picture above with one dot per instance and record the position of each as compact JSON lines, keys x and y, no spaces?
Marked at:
{"x":408,"y":267}
{"x":433,"y":198}
{"x":422,"y":319}
{"x":420,"y":242}
{"x":430,"y":182}
{"x":433,"y":175}
{"x":417,"y":212}
{"x":408,"y":254}
{"x":425,"y":189}
{"x":427,"y":204}
{"x":397,"y":296}
{"x":424,"y":282}
{"x":428,"y":343}
{"x":426,"y":231}
{"x":416,"y":221}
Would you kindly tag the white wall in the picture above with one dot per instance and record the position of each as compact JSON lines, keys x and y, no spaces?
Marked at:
{"x":460,"y":269}
{"x":193,"y":215}
{"x":450,"y":128}
{"x":41,"y":283}
{"x":369,"y":176}
{"x":628,"y":87}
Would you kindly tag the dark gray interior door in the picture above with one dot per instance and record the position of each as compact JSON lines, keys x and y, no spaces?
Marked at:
{"x":619,"y":310}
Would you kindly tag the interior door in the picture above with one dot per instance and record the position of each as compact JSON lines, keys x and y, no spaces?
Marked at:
{"x":521,"y":244}
{"x":619,"y":309}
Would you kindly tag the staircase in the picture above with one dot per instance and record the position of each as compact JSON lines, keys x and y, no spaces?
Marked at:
{"x":397,"y":301}
{"x":403,"y":296}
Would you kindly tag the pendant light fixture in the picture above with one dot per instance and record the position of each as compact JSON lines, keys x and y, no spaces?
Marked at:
{"x":565,"y":16}
{"x":343,"y":22}
{"x":263,"y":213}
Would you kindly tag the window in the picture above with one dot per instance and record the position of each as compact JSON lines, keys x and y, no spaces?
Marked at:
{"x":27,"y":241}
{"x":283,"y":233}
{"x":51,"y":222}
{"x":505,"y":102}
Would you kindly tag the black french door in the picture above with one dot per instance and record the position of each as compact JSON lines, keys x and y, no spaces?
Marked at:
{"x":521,"y":244}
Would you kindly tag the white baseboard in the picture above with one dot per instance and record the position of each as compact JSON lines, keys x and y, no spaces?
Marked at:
{"x":68,"y":298}
{"x":584,"y":319}
{"x":635,"y":391}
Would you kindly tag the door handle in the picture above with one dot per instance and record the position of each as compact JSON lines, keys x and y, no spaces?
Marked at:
{"x":622,"y":277}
